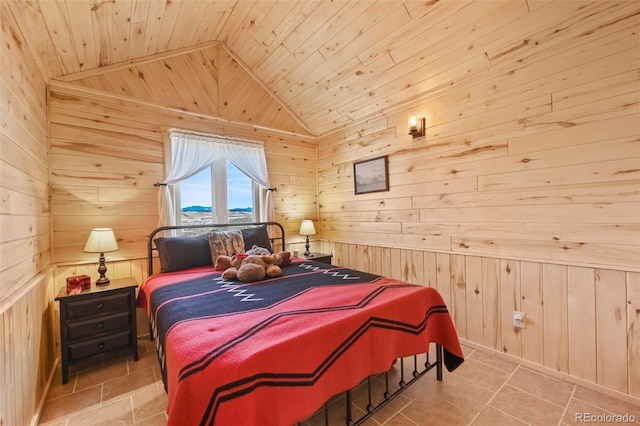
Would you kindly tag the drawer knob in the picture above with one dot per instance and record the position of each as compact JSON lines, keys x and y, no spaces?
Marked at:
{"x":101,"y":345}
{"x":100,"y":305}
{"x":101,"y":326}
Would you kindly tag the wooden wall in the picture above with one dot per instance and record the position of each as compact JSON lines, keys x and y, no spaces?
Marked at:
{"x":108,"y":132}
{"x":107,"y":152}
{"x":217,"y":85}
{"x":26,"y":285}
{"x":524,"y":195}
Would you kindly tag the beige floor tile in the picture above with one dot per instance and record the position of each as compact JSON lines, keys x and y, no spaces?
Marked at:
{"x":491,"y":359}
{"x":60,"y":423}
{"x":389,"y":410}
{"x":606,"y":402}
{"x":117,"y":413}
{"x":149,"y":403}
{"x":467,"y":350}
{"x":127,"y":385}
{"x":146,"y":360}
{"x":97,"y":375}
{"x":400,"y":420}
{"x":490,"y":416}
{"x":527,"y":407}
{"x":145,"y":345}
{"x":157,"y":420}
{"x":57,"y":389}
{"x":577,"y":408}
{"x":545,"y":387}
{"x":579,"y":412}
{"x":485,"y":390}
{"x":336,"y":414}
{"x":437,"y":411}
{"x":461,"y":392}
{"x":481,"y":374}
{"x":68,"y":405}
{"x":361,"y":400}
{"x":423,"y":386}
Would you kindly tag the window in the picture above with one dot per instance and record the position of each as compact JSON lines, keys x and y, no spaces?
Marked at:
{"x":228,"y":175}
{"x":218,"y":194}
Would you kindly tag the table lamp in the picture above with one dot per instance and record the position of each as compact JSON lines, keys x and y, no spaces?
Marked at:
{"x":101,"y":240}
{"x":306,"y":228}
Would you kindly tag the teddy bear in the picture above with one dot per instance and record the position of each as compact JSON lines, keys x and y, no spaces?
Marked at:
{"x":283,"y":258}
{"x":253,"y":265}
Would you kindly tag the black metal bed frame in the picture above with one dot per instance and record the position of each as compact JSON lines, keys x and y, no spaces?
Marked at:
{"x":373,"y":404}
{"x":151,"y":246}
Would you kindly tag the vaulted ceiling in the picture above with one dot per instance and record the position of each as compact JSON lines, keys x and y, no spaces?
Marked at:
{"x":325,"y":63}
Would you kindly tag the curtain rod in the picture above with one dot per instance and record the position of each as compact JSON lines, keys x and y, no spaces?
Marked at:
{"x":158,"y":184}
{"x":214,"y":136}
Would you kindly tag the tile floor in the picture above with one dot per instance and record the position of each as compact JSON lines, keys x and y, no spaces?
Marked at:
{"x":485,"y":390}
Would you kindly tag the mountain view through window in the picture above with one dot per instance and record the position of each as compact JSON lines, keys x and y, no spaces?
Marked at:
{"x":198,"y":194}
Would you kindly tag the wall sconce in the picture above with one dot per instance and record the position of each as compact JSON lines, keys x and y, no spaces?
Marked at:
{"x":416,"y":126}
{"x":101,"y":240}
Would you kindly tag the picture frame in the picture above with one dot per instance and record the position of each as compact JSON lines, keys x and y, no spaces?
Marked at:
{"x":371,"y":175}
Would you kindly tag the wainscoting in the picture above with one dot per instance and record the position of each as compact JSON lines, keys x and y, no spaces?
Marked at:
{"x":27,"y":357}
{"x":581,"y":322}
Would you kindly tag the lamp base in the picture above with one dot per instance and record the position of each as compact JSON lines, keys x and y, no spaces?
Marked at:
{"x":102,"y":281}
{"x":102,"y":269}
{"x":306,"y":246}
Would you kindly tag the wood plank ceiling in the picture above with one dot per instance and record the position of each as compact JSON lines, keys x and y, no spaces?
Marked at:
{"x":329,"y":63}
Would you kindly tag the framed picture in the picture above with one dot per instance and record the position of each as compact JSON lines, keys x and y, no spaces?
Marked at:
{"x":371,"y":175}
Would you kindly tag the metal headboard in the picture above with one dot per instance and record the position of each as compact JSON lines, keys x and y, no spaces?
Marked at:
{"x":215,"y":226}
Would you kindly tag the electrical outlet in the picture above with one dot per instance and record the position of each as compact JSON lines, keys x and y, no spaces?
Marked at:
{"x":519,"y":319}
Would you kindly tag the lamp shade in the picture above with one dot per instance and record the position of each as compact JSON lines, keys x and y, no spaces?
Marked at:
{"x":101,"y":240}
{"x":307,"y":228}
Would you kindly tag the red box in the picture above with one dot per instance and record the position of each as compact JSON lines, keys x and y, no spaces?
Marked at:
{"x":78,"y":283}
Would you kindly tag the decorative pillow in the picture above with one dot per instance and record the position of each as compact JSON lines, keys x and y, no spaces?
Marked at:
{"x":225,"y":243}
{"x":257,"y":236}
{"x":184,"y":252}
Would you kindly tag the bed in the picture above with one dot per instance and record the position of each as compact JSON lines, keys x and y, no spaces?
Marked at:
{"x":273,"y":352}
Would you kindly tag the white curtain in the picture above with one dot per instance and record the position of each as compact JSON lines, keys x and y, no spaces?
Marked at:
{"x":193,"y":152}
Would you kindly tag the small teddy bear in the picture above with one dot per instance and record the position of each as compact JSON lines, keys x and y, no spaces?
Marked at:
{"x":224,"y":262}
{"x":283,"y":258}
{"x":254,"y":265}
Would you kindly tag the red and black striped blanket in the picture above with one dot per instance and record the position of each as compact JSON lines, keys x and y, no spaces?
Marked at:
{"x":272,"y":352}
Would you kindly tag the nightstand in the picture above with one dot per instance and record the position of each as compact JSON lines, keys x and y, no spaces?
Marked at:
{"x":97,"y":321}
{"x":320,"y":257}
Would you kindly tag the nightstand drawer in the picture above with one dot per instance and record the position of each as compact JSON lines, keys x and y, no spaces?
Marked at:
{"x":79,"y":329}
{"x":97,"y":305}
{"x":98,"y":346}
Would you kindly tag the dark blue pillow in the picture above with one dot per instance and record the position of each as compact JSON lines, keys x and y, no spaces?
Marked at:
{"x":258,"y":236}
{"x":177,"y":253}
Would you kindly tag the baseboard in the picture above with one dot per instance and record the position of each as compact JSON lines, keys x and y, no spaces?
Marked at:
{"x":43,"y":400}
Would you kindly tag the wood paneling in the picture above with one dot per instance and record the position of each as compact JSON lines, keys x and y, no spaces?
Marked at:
{"x":332,"y":64}
{"x":525,"y":190}
{"x":578,"y":321}
{"x":27,"y":321}
{"x":208,"y":80}
{"x":107,"y":151}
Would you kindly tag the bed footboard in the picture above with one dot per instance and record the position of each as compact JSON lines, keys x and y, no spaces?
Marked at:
{"x":375,"y":392}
